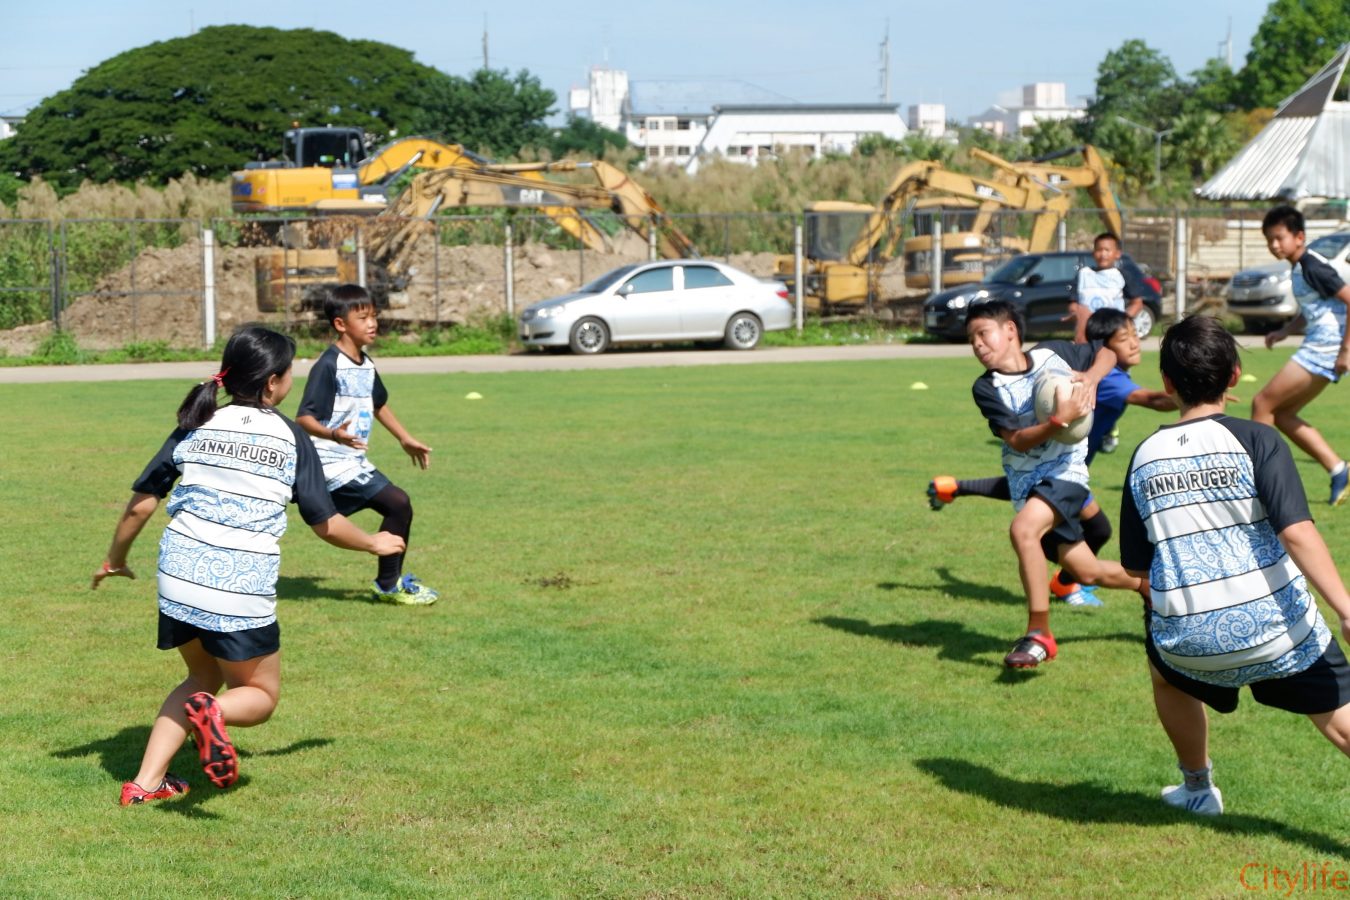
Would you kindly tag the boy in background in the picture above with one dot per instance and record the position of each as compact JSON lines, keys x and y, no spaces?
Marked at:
{"x":1215,"y":521}
{"x":1047,"y":479}
{"x":343,"y":397}
{"x":1103,"y":287}
{"x":1324,"y":355}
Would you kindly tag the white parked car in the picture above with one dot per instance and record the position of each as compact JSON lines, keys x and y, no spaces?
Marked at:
{"x":669,"y":300}
{"x":1263,"y":296}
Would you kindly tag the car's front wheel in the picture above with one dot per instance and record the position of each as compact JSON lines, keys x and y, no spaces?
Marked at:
{"x":743,"y":331}
{"x":589,"y":336}
{"x":1143,"y":322}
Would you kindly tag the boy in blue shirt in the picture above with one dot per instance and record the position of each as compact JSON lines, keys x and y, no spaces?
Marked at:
{"x":1215,"y":521}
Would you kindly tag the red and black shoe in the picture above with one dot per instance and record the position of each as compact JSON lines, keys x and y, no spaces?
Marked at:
{"x":219,"y":761}
{"x":1032,"y":649}
{"x":171,"y":786}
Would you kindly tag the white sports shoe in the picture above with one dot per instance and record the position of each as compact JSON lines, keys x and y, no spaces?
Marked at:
{"x":1205,"y":802}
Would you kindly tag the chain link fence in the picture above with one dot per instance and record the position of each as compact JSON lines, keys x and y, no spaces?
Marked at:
{"x":115,"y":282}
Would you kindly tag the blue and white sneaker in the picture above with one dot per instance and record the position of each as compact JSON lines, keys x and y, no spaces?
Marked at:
{"x":408,"y":592}
{"x":1204,"y":802}
{"x":1340,"y":486}
{"x":1111,"y":441}
{"x":1086,"y":595}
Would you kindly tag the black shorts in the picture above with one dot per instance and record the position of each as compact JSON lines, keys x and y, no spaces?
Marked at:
{"x":1323,"y":687}
{"x":1067,"y":499}
{"x":356,"y":494}
{"x":235,"y":646}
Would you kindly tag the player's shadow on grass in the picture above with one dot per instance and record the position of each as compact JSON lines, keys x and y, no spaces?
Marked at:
{"x":953,"y":586}
{"x":1093,"y":803}
{"x":953,"y":640}
{"x":292,"y":588}
{"x":120,"y":756}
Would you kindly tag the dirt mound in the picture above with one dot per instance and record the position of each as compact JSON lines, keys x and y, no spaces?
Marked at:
{"x":158,"y":295}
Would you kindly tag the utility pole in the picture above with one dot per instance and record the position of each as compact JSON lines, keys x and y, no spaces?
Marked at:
{"x":485,"y":42}
{"x":1157,"y":145}
{"x":886,"y":64}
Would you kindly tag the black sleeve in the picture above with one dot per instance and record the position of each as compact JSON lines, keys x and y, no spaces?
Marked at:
{"x":1080,"y":357}
{"x":991,"y":407}
{"x":1278,"y":486}
{"x":379,"y":397}
{"x":1135,"y":286}
{"x":1136,"y":551}
{"x":1320,"y":276}
{"x":320,"y":388}
{"x":161,"y":472}
{"x":310,"y":492}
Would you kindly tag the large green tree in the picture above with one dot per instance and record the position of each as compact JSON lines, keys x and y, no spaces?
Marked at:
{"x":583,"y":137}
{"x":490,"y":111}
{"x":1294,"y":40}
{"x":207,"y":103}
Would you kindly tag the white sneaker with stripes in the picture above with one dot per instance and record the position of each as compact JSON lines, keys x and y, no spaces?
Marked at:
{"x":1204,"y":802}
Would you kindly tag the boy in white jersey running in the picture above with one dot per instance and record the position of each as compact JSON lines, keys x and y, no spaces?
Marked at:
{"x":1047,"y":479}
{"x":344,"y":396}
{"x":1325,"y":354}
{"x":1215,"y":520}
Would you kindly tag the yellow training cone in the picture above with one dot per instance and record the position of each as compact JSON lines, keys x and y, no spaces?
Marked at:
{"x":473,"y":395}
{"x":918,"y":386}
{"x":1247,"y":377}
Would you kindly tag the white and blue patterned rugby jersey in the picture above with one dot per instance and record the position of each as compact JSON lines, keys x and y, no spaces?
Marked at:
{"x":219,"y":557}
{"x":1315,"y":285}
{"x":1204,"y":503}
{"x":1100,"y":288}
{"x":341,"y":391}
{"x":1007,"y":401}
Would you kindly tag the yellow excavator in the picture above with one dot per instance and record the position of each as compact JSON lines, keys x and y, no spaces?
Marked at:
{"x":848,"y":244}
{"x":393,"y":234}
{"x":965,"y":244}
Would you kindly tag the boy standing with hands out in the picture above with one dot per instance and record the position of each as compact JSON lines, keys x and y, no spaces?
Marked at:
{"x":1215,"y":520}
{"x":343,"y":397}
{"x":1047,"y":479}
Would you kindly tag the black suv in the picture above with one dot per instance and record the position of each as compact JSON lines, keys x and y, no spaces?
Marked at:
{"x":1040,"y":284}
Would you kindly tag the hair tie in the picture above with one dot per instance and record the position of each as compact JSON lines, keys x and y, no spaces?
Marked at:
{"x":219,"y":377}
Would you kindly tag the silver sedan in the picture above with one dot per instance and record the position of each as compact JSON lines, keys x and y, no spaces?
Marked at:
{"x":669,"y":300}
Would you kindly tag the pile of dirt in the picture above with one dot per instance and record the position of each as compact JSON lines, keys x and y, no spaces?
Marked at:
{"x":158,"y":296}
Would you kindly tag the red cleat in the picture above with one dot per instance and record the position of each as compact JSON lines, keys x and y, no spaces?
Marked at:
{"x":171,"y":786}
{"x":1032,"y":649}
{"x":219,"y":761}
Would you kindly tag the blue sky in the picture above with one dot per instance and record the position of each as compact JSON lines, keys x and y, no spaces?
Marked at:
{"x":968,"y":54}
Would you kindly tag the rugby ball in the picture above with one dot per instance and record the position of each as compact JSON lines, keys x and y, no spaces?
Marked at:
{"x":1049,"y":387}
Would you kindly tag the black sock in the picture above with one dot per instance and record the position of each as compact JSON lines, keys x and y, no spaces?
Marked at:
{"x":994,"y":488}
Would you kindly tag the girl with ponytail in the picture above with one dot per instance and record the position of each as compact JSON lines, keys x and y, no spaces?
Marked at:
{"x":236,"y":465}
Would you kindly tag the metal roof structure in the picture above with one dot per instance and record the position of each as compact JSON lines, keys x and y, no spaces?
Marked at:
{"x":1303,"y":152}
{"x":694,"y":98}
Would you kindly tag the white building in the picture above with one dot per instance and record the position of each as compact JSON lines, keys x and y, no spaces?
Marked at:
{"x":749,"y":133}
{"x":1042,"y":101}
{"x":681,"y":122}
{"x":8,"y":125}
{"x":928,"y":118}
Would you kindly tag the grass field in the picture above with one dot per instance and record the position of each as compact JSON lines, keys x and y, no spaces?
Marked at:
{"x":699,"y":636}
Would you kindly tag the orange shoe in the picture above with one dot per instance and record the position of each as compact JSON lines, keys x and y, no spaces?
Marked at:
{"x":941,"y":491}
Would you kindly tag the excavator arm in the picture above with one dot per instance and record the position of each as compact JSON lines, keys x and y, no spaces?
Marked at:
{"x":925,"y":179}
{"x":1090,"y":176}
